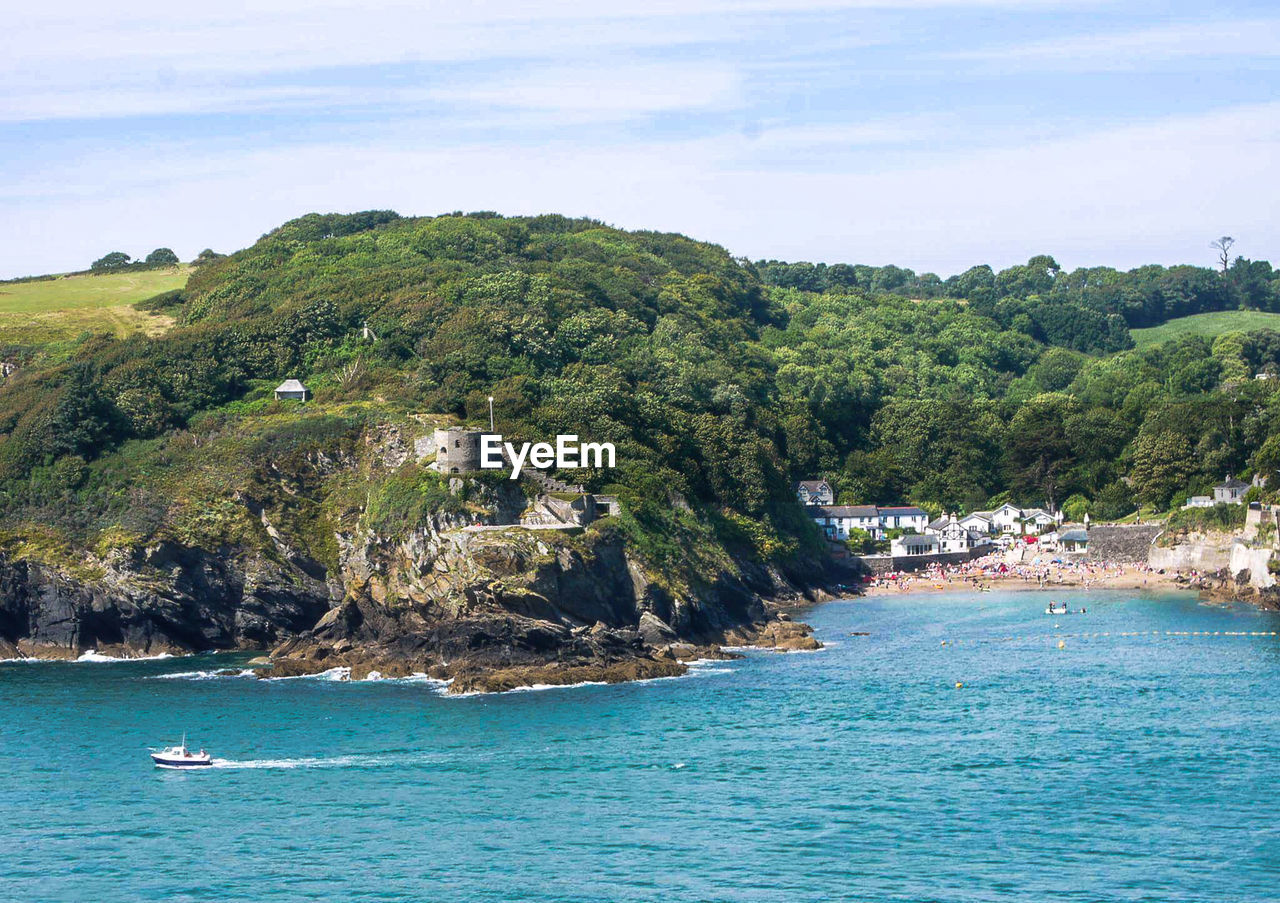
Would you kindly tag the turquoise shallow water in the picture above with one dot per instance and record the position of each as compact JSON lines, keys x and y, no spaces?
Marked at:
{"x":1117,"y":768}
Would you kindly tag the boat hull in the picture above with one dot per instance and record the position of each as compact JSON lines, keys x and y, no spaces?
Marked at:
{"x":162,"y":762}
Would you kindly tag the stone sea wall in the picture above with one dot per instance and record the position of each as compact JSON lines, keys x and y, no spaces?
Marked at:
{"x":1130,"y":543}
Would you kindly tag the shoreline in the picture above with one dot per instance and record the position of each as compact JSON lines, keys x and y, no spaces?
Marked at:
{"x":1124,"y":579}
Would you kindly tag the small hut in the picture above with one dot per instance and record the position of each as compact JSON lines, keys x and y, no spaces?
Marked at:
{"x":291,"y":389}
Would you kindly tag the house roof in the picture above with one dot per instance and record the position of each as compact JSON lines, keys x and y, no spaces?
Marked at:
{"x":904,"y":511}
{"x":1036,"y":513}
{"x":981,"y":515}
{"x":845,"y":510}
{"x":291,"y":385}
{"x":917,"y":539}
{"x":812,"y":485}
{"x":1232,"y":483}
{"x":1074,"y":535}
{"x":939,"y":523}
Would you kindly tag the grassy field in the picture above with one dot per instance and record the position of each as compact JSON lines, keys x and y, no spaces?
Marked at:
{"x":37,"y":313}
{"x":1210,"y":324}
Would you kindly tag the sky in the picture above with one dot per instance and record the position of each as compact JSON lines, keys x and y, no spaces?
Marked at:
{"x":932,"y":134}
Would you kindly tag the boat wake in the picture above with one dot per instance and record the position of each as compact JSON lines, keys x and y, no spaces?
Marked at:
{"x":356,"y":761}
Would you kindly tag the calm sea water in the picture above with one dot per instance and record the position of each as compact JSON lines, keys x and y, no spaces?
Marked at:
{"x":1121,"y":767}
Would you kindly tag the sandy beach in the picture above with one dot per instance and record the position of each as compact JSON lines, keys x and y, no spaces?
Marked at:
{"x":993,"y":572}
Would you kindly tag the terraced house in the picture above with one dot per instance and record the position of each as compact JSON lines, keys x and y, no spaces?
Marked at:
{"x":837,"y":521}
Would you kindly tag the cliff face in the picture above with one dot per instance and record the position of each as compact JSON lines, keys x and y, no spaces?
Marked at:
{"x":493,"y":608}
{"x":487,"y":605}
{"x":164,"y":598}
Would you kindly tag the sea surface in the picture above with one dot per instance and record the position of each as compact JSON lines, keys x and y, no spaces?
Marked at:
{"x":1139,"y":761}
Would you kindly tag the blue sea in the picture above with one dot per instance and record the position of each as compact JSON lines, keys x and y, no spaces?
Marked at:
{"x":1139,"y":761}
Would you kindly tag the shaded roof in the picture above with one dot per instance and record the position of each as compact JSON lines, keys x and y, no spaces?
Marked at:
{"x":845,"y":510}
{"x":1232,"y":483}
{"x":1074,"y":535}
{"x":291,"y":385}
{"x":983,"y":515}
{"x":917,"y":539}
{"x":812,"y":484}
{"x":904,"y":511}
{"x":1032,"y":512}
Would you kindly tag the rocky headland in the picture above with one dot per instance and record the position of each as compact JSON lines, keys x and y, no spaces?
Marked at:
{"x":513,"y":589}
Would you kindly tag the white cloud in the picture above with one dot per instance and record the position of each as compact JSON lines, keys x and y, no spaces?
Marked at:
{"x":626,"y":89}
{"x":1151,"y":192}
{"x":1126,"y":49}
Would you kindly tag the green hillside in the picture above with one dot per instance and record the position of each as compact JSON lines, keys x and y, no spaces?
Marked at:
{"x":51,"y":310}
{"x":1209,"y":325}
{"x":717,"y":389}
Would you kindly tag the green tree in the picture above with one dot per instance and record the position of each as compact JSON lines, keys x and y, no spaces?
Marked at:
{"x":1162,"y":464}
{"x":162,"y":257}
{"x":113,"y":261}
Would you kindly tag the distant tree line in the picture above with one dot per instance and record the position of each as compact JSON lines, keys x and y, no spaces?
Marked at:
{"x":1088,"y":309}
{"x":119,"y":261}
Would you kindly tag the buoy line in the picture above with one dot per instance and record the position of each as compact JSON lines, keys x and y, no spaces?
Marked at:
{"x":1110,"y":633}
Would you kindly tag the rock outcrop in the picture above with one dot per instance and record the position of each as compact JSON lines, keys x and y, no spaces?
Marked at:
{"x":162,"y":598}
{"x":495,"y":591}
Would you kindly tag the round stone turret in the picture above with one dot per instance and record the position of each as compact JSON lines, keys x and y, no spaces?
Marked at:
{"x":457,"y":449}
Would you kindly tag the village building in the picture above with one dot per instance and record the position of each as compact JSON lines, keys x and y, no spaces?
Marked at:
{"x":1037,"y":521}
{"x":837,"y":521}
{"x":1199,"y":501}
{"x":953,"y":536}
{"x":914,"y":544}
{"x":815,"y":492}
{"x":978,"y":521}
{"x":1230,"y":492}
{"x":1007,"y":519}
{"x":292,"y":390}
{"x":1074,"y":540}
{"x":903,"y":518}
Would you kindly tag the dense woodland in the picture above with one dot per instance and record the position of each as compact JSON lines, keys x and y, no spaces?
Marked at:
{"x":720,"y":381}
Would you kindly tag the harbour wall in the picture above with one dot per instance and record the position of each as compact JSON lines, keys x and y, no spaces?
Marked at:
{"x":1130,"y":543}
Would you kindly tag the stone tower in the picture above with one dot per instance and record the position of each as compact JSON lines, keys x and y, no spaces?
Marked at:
{"x":457,"y":449}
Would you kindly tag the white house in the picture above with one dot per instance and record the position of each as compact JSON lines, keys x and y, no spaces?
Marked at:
{"x":837,"y":520}
{"x":953,"y":536}
{"x":914,"y":544}
{"x":815,"y":492}
{"x":1007,"y":519}
{"x":291,"y":389}
{"x":1036,"y":521}
{"x":903,"y":518}
{"x":1230,"y":492}
{"x":978,"y":522}
{"x":1199,"y":501}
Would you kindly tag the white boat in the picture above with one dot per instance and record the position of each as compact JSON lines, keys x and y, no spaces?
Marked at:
{"x":181,"y":757}
{"x":1063,"y":611}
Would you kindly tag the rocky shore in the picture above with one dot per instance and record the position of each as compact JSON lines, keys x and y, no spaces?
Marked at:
{"x":488,"y":611}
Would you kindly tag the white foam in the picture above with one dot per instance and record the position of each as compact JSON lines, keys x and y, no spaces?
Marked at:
{"x":353,"y":761}
{"x":201,"y":675}
{"x":342,"y":673}
{"x":92,"y":655}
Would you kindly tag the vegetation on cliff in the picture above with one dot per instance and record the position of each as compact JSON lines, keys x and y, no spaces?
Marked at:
{"x":719,"y":381}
